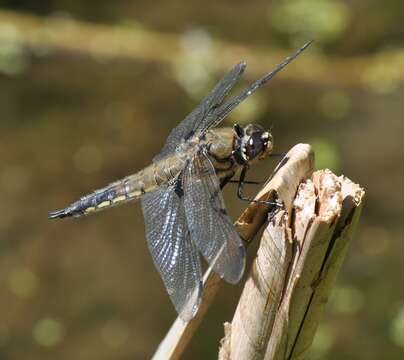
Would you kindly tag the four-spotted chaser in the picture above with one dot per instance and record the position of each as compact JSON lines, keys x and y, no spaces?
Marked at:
{"x":181,"y":195}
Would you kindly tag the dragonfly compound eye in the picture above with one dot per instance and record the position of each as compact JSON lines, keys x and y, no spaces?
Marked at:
{"x":254,"y":146}
{"x":256,"y":142}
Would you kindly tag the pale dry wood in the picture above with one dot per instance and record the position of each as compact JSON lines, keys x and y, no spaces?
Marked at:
{"x":249,"y":331}
{"x":295,"y":269}
{"x":347,"y":200}
{"x":294,"y":168}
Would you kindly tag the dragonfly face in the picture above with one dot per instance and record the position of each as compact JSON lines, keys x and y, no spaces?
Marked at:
{"x":183,"y":208}
{"x":253,"y":142}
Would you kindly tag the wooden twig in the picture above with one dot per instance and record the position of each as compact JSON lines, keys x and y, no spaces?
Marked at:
{"x":294,"y":168}
{"x":299,"y":257}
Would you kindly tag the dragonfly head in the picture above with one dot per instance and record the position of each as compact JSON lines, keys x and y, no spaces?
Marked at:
{"x":254,"y":143}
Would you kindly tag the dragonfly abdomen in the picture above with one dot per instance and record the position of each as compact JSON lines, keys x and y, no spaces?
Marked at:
{"x":98,"y":200}
{"x":127,"y":189}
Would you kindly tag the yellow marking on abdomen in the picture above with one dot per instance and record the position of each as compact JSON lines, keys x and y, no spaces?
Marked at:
{"x":103,"y":204}
{"x":119,"y":198}
{"x":90,"y":209}
{"x":134,"y":193}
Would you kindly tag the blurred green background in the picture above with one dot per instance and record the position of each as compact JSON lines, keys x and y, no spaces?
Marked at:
{"x":89,"y":91}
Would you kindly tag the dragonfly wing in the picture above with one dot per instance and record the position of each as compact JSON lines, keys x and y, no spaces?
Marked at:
{"x":174,"y":254}
{"x":215,"y":117}
{"x":197,"y":118}
{"x":209,"y":224}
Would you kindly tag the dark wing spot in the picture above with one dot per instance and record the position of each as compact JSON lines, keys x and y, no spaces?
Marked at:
{"x":189,"y":135}
{"x":178,"y":187}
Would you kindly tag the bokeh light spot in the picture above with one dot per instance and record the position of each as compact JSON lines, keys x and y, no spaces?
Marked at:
{"x":192,"y":69}
{"x":249,"y":111}
{"x":323,"y":20}
{"x":48,"y":332}
{"x":23,"y":282}
{"x":383,"y":79}
{"x":13,"y":59}
{"x":397,"y":328}
{"x":115,"y":333}
{"x":326,"y":154}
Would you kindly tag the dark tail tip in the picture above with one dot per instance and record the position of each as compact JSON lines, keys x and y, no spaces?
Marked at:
{"x":60,"y":214}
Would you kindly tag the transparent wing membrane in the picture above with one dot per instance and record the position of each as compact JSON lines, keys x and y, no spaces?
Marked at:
{"x":209,"y":224}
{"x":197,"y":118}
{"x":174,"y":254}
{"x":211,"y":112}
{"x":184,"y":219}
{"x":216,"y":117}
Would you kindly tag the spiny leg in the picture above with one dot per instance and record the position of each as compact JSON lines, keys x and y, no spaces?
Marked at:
{"x":246,"y":182}
{"x":252,"y":182}
{"x":277,"y":154}
{"x":240,"y":195}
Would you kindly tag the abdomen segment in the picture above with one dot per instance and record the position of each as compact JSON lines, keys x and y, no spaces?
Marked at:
{"x":127,"y":189}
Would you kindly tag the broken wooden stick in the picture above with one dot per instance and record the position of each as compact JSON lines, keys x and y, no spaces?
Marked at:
{"x":295,"y":167}
{"x":295,"y":268}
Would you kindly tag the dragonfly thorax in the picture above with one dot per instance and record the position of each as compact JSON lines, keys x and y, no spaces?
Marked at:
{"x":253,"y":143}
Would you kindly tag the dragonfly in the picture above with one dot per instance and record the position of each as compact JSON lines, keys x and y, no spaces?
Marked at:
{"x":180,"y":192}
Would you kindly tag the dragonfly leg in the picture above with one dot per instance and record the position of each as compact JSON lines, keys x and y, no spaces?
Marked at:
{"x":241,"y":196}
{"x":249,"y":182}
{"x":277,"y":154}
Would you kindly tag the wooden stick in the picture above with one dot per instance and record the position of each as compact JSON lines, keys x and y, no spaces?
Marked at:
{"x":294,"y":168}
{"x":294,"y":271}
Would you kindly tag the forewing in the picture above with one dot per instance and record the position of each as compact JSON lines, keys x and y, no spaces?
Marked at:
{"x":174,"y":254}
{"x":210,"y":226}
{"x":215,"y":117}
{"x":196,"y":119}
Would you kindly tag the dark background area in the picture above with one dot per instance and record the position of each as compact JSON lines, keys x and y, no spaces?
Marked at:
{"x":77,"y":111}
